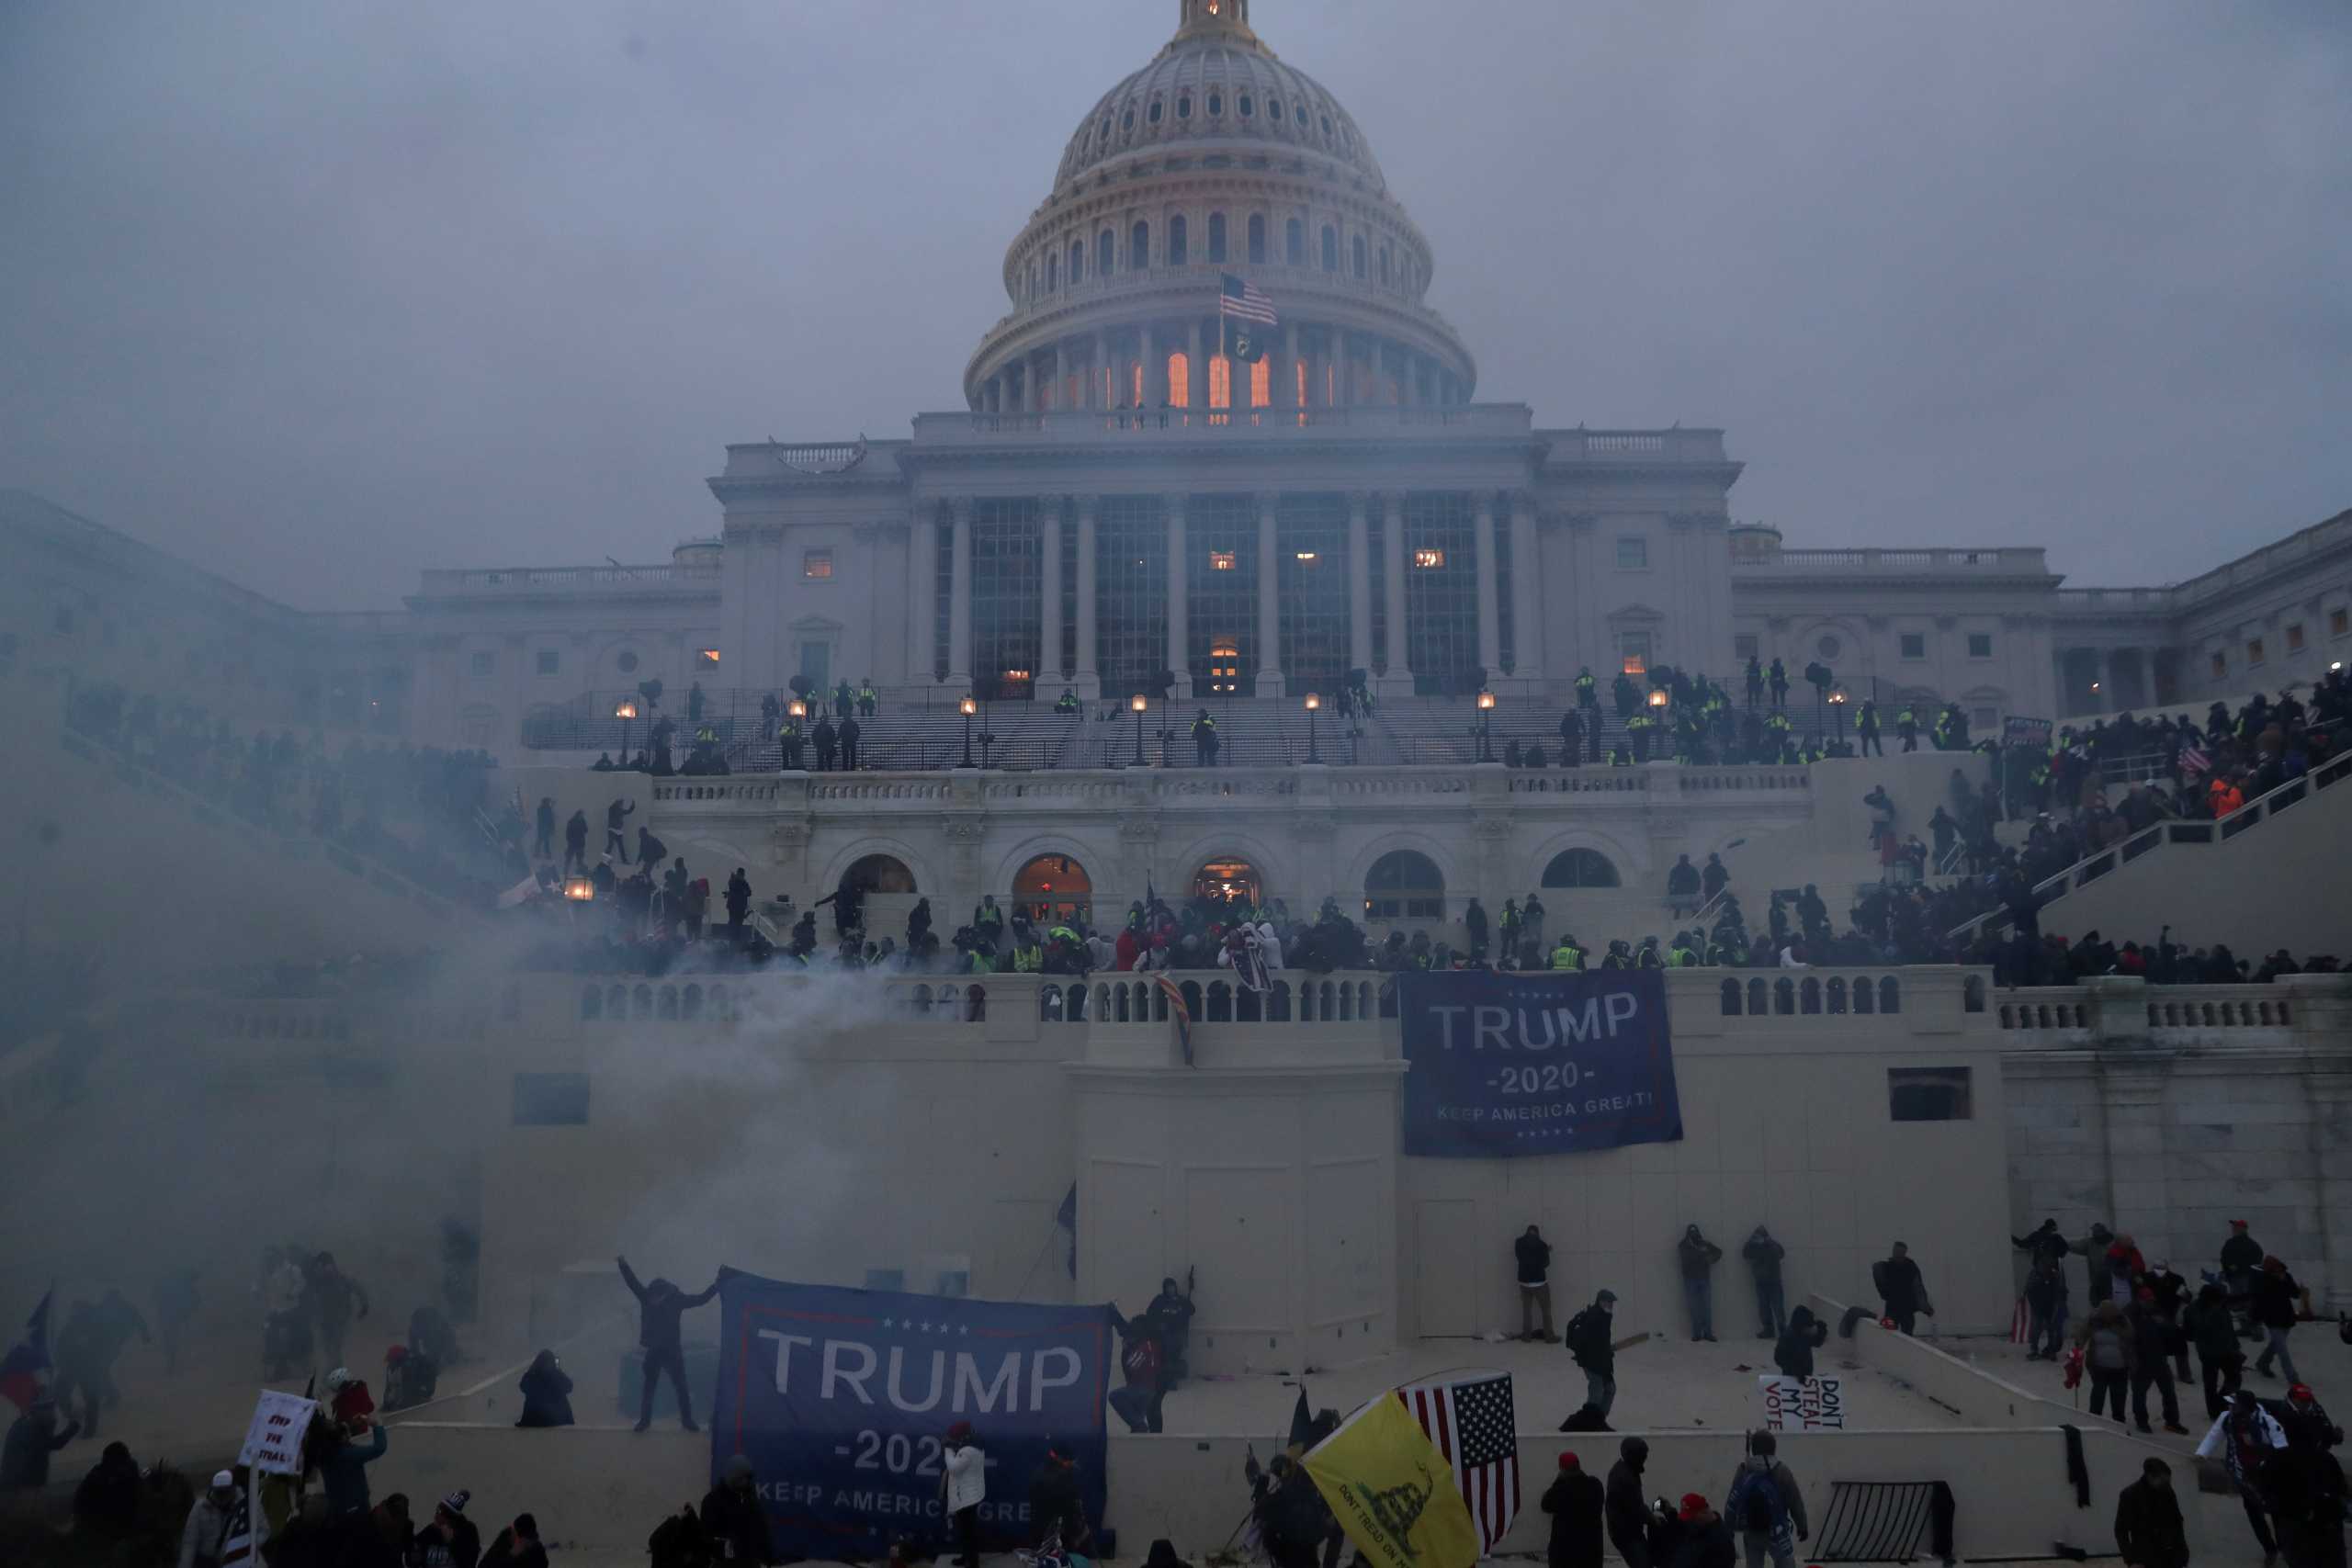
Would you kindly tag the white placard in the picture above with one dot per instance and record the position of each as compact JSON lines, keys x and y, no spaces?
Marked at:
{"x":1803,"y":1405}
{"x":274,"y":1441}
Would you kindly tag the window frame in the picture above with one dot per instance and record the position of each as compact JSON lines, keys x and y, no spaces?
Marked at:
{"x":1636,"y":559}
{"x":1975,"y":639}
{"x":813,"y":560}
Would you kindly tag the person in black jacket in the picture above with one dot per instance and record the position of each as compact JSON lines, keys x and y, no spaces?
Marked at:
{"x":1764,"y":1255}
{"x":2150,"y":1362}
{"x":451,"y":1540}
{"x":2276,"y":1296}
{"x":1704,"y":1540}
{"x":1055,"y":1512}
{"x":1804,"y":1335}
{"x":2148,"y":1528}
{"x":2044,"y":1243}
{"x":660,"y":1305}
{"x":546,"y":1393}
{"x":616,"y":814}
{"x":731,"y":1518}
{"x":1627,"y":1512}
{"x":1533,"y":1255}
{"x":1589,"y":1340}
{"x":32,"y":1437}
{"x":1904,"y":1293}
{"x":2214,"y":1332}
{"x":1577,"y":1503}
{"x":2045,"y":1303}
{"x":679,"y":1541}
{"x":1697,"y":1256}
{"x":106,"y":1506}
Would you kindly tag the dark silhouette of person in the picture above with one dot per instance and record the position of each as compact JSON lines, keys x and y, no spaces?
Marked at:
{"x":616,"y":841}
{"x":660,"y":1305}
{"x":575,"y":843}
{"x":849,"y":733}
{"x":543,"y":846}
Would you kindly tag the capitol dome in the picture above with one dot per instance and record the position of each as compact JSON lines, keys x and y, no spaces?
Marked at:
{"x":1217,"y":161}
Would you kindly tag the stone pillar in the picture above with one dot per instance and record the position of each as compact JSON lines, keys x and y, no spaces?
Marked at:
{"x":959,"y":601}
{"x":1196,"y":370}
{"x":1408,"y":381}
{"x":1490,"y":623}
{"x":1287,"y":395}
{"x":1103,"y":382}
{"x":1180,"y":642}
{"x":1155,"y":370}
{"x":1359,"y":584}
{"x":1087,"y":679}
{"x":1061,"y":379}
{"x":1526,"y":593}
{"x":2106,"y":667}
{"x":1270,"y":648}
{"x":923,"y":596}
{"x":1400,"y":679}
{"x":1049,"y":609}
{"x":2148,"y":697}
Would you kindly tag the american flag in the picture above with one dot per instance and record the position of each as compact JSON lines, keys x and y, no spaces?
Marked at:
{"x":2194,"y":761}
{"x":1240,"y":298}
{"x":1472,"y":1422}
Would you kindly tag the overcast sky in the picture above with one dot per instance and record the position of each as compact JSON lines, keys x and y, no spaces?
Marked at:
{"x":323,"y":293}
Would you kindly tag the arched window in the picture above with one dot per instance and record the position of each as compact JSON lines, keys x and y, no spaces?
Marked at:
{"x":1217,"y":236}
{"x":1151,"y":114}
{"x":1580,"y":868}
{"x":1256,"y":236}
{"x":1051,"y":888}
{"x":1128,"y":120}
{"x":1216,"y":104}
{"x":1330,"y":249}
{"x":1245,"y":105}
{"x":1811,"y":992}
{"x":1863,"y":996}
{"x":1756,"y":998}
{"x":1180,"y":381}
{"x":879,"y":873}
{"x":1295,"y":242}
{"x":1183,"y":106}
{"x":1403,"y":885}
{"x":1890,"y":995}
{"x":1077,"y":261}
{"x":1053,"y":272}
{"x":1731,"y":998}
{"x":1176,"y":241}
{"x":1139,"y":246}
{"x":1275,"y":111}
{"x":1836,"y":991}
{"x":1358,"y":252}
{"x":1785,"y":997}
{"x":1103,"y":243}
{"x":1383,"y":266}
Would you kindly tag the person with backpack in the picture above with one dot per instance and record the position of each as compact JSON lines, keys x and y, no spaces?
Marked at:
{"x":1765,"y":1505}
{"x":1589,"y":1341}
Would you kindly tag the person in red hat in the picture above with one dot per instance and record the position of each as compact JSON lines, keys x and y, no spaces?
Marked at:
{"x":2307,"y":1420}
{"x":963,"y":1483}
{"x":1704,"y":1540}
{"x":1574,"y":1502}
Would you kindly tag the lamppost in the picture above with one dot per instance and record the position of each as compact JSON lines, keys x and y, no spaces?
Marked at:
{"x":1837,"y":706}
{"x":579,"y":889}
{"x":1485,"y":725}
{"x":969,"y":707}
{"x":624,"y":710}
{"x":1656,"y":745}
{"x":1136,"y":705}
{"x":798,"y":712}
{"x":1314,"y":703}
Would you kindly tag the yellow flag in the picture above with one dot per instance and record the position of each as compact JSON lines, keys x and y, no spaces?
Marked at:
{"x":1392,"y":1491}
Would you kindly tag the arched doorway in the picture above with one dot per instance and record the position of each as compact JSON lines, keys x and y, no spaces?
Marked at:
{"x":1403,"y":885}
{"x":1052,"y":887}
{"x":1580,"y":868}
{"x":1228,"y":880}
{"x":879,"y":873}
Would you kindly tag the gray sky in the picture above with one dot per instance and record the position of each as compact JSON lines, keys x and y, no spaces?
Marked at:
{"x":323,"y":294}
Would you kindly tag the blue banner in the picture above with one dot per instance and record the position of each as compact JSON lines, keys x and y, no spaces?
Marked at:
{"x":1543,"y":1062}
{"x":843,"y":1398}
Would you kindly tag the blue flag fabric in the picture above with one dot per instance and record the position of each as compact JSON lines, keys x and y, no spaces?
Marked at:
{"x":1554,"y":1062}
{"x":843,"y":1398}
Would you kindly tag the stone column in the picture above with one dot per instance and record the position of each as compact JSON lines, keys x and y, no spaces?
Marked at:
{"x":1526,"y":593}
{"x":1154,"y":370}
{"x":1087,"y":679}
{"x":1061,"y":379}
{"x":2106,"y":667}
{"x":1287,"y":395}
{"x":1270,"y":648}
{"x":1400,"y":679}
{"x":1196,"y":371}
{"x":922,"y":595}
{"x":959,"y":602}
{"x":1049,"y":609}
{"x":1104,"y":382}
{"x":1359,"y":584}
{"x":1180,"y":642}
{"x":2148,"y":697}
{"x":1490,"y":623}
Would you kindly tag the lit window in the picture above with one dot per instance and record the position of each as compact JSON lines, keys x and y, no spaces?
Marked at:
{"x":1633,"y":652}
{"x":482,"y":664}
{"x":2254,"y":650}
{"x":1220,"y":382}
{"x":1305,"y":556}
{"x":550,"y":661}
{"x":1428,"y":558}
{"x":1632,"y":553}
{"x":1220,"y":561}
{"x":1929,"y":1094}
{"x":1261,"y":385}
{"x":707,"y":659}
{"x":816,"y":563}
{"x":2295,"y":638}
{"x":1179,"y":378}
{"x":1915,"y":644}
{"x":1980,"y":644}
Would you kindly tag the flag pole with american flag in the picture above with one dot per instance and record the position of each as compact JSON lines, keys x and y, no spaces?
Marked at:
{"x":1471,"y":1418}
{"x":1240,"y":300}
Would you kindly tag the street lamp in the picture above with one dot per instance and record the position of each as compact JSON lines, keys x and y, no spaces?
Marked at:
{"x":1136,"y":705}
{"x":1485,"y":725}
{"x":624,"y":710}
{"x":969,"y":707}
{"x":1314,"y":703}
{"x":1837,"y":706}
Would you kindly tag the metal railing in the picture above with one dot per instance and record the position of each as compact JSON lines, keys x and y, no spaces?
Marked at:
{"x":491,"y":580}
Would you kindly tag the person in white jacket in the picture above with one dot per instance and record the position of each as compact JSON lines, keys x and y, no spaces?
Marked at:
{"x":963,"y":1480}
{"x":207,"y":1523}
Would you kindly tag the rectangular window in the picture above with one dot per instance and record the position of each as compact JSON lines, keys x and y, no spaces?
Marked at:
{"x":481,"y":664}
{"x":2220,"y":665}
{"x":2295,"y":637}
{"x":1632,"y":553}
{"x":1927,"y":1094}
{"x":550,"y":661}
{"x":816,"y":663}
{"x":1220,"y":561}
{"x":1633,"y":652}
{"x":1915,"y":644}
{"x":2339,"y":622}
{"x":1745,"y":646}
{"x":816,"y":563}
{"x":2254,"y":650}
{"x":1430,"y":560}
{"x":550,"y":1100}
{"x":1130,"y":593}
{"x":1441,"y":627}
{"x":1980,"y":644}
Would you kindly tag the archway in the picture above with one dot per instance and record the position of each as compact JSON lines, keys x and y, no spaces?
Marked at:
{"x":1228,"y":878}
{"x":1580,"y":868}
{"x":1052,"y":887}
{"x":879,"y":873}
{"x":1403,"y":885}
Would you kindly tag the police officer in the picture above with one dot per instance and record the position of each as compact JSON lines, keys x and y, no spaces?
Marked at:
{"x":1567,"y":956}
{"x":1205,"y":739}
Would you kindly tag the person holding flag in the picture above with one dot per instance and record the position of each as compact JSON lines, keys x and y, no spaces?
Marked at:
{"x":1392,"y":1492}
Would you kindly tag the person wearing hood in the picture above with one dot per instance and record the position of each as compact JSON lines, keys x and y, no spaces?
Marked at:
{"x":546,"y":1393}
{"x":1533,"y":1255}
{"x":1901,"y":1290}
{"x":1703,"y":1540}
{"x":1626,"y":1510}
{"x":208,"y":1523}
{"x":1698,"y":1256}
{"x":732,"y":1520}
{"x":518,"y":1546}
{"x":659,"y":1306}
{"x":1577,"y":1503}
{"x":1764,"y":1255}
{"x":2043,"y":1243}
{"x":1804,"y":1335}
{"x":1171,"y":1314}
{"x":1766,"y":1506}
{"x":2148,"y":1528}
{"x":575,"y":843}
{"x":343,"y":1472}
{"x":2092,"y":1248}
{"x":32,"y":1437}
{"x":106,"y":1504}
{"x":2220,"y":1363}
{"x":451,"y":1540}
{"x":963,"y":1486}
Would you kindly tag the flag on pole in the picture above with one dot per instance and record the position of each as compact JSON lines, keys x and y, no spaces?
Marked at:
{"x":1302,"y":1422}
{"x":28,"y":1360}
{"x":1391,"y":1492}
{"x":1180,"y":1015}
{"x":1471,"y":1420}
{"x":1240,"y":298}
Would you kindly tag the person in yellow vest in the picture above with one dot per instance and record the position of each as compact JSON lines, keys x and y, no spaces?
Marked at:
{"x":1648,"y":956}
{"x":1617,"y":957}
{"x":1567,"y":956}
{"x":1028,"y":960}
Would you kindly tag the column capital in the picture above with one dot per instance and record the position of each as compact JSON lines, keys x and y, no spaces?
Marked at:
{"x":1393,"y":503}
{"x":1267,"y":501}
{"x":1360,"y":500}
{"x":959,"y":507}
{"x":1176,"y":501}
{"x":1520,"y":500}
{"x":1088,"y":502}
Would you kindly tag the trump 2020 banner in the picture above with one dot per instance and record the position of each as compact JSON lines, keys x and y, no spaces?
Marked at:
{"x":1501,"y":1064}
{"x":843,"y":1398}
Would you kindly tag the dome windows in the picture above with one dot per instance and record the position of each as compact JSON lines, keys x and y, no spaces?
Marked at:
{"x":1258,"y":237}
{"x":1176,"y":239}
{"x":1383,"y":266}
{"x":1243,"y":103}
{"x":1216,"y":104}
{"x":1183,"y":106}
{"x":1359,"y":257}
{"x":1105,"y":135}
{"x":1105,"y":240}
{"x":1217,"y":236}
{"x":1327,"y":127}
{"x":1128,"y":120}
{"x":1275,"y":111}
{"x":1139,"y":246}
{"x":1151,"y":114}
{"x":1330,"y":253}
{"x":1077,"y":261}
{"x":1295,"y":242}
